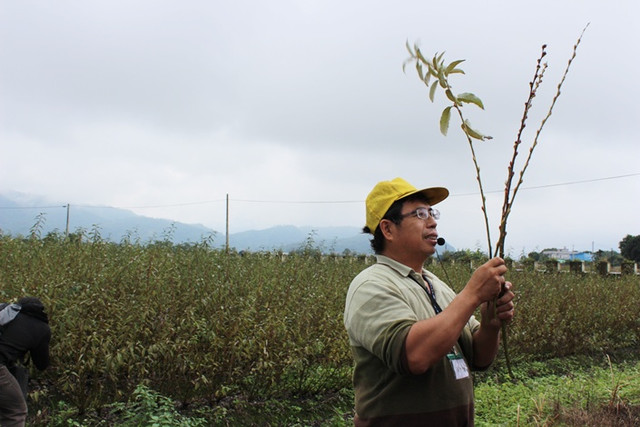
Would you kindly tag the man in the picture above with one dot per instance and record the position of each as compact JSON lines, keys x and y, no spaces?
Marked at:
{"x":413,"y":339}
{"x":28,"y":332}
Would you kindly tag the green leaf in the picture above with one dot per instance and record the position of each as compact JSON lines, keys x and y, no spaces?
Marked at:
{"x":444,"y":120}
{"x":432,"y":91}
{"x":419,"y":56}
{"x":427,"y":79}
{"x":419,"y":69}
{"x":470,"y":98}
{"x":409,"y":48}
{"x":424,"y":77}
{"x":451,"y":67}
{"x":407,"y":61}
{"x":466,"y":127}
{"x":451,"y":97}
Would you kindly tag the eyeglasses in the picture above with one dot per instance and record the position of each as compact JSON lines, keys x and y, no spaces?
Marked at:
{"x":423,"y":213}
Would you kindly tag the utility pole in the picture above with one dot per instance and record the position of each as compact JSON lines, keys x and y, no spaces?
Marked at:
{"x":66,"y":233}
{"x":227,"y":231}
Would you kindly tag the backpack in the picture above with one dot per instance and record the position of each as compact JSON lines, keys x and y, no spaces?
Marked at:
{"x":8,"y":312}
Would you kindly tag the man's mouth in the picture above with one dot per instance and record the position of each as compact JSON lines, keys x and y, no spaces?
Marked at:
{"x":432,"y":237}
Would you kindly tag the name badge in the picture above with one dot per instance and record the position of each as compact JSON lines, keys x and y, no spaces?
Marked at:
{"x":459,"y":366}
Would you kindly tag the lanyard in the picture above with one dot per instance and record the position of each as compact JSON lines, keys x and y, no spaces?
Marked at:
{"x":432,"y":295}
{"x":436,"y":307}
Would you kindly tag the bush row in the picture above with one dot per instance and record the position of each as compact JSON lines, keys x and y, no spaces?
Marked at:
{"x":198,"y":324}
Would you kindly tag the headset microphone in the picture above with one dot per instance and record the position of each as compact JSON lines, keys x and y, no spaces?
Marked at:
{"x":440,"y":242}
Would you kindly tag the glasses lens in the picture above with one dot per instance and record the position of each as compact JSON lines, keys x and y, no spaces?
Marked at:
{"x":422,"y":213}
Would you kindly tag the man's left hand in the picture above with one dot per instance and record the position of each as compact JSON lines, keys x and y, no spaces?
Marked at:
{"x":500,"y":312}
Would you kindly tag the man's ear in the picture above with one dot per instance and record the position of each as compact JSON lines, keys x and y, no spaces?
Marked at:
{"x":386,"y":227}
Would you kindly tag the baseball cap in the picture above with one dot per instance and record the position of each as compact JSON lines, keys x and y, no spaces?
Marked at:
{"x":385,"y":193}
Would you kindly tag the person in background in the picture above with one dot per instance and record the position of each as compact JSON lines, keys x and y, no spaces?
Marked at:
{"x":28,"y":332}
{"x":414,"y":340}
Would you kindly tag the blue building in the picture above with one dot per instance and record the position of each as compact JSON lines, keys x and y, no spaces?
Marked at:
{"x":567,"y":255}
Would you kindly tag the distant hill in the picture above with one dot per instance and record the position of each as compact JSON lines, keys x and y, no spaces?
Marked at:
{"x":20,"y":213}
{"x":288,"y":238}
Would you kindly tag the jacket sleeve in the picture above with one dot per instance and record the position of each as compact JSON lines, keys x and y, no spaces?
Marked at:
{"x":40,"y":353}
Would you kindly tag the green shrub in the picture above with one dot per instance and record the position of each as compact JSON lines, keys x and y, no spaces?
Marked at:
{"x":200,"y":325}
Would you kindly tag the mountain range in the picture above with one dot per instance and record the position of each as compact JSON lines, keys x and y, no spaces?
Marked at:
{"x":22,"y":215}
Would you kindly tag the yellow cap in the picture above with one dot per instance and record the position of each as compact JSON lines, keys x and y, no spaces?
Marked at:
{"x":385,"y":193}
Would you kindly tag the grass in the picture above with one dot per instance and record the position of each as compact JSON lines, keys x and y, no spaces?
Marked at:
{"x":575,"y":391}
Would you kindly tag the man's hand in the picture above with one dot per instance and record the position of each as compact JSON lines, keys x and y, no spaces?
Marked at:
{"x":487,"y":281}
{"x":502,"y":312}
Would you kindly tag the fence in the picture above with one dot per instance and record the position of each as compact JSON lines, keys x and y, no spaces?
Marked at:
{"x":603,"y":268}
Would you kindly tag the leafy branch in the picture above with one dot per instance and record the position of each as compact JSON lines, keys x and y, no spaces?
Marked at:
{"x":435,"y":73}
{"x":437,"y":70}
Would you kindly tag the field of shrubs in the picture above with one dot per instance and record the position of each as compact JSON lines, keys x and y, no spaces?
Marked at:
{"x":202,"y":329}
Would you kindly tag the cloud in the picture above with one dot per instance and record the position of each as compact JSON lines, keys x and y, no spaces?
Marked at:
{"x":170,"y":107}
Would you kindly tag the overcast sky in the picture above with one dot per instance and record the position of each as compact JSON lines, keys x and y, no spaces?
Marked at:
{"x":295,"y":109}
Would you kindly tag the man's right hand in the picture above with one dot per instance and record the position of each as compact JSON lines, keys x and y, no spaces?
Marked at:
{"x":487,"y":281}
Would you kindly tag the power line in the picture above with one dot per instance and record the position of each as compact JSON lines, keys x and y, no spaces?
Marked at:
{"x":556,"y":185}
{"x":586,"y":181}
{"x":171,"y":205}
{"x":32,"y":207}
{"x":298,"y":201}
{"x":582,"y":182}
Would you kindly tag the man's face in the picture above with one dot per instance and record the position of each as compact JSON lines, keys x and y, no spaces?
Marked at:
{"x":416,"y":235}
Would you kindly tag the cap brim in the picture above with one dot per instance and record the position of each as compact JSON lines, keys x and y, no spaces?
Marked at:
{"x":434,"y":194}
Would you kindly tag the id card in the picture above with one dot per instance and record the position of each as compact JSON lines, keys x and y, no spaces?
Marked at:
{"x":459,"y":366}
